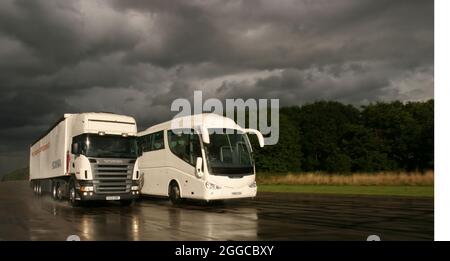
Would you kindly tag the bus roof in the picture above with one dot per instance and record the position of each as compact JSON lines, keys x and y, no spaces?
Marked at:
{"x":204,"y":120}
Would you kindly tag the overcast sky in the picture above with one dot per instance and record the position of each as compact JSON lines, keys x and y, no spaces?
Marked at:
{"x":135,"y":57}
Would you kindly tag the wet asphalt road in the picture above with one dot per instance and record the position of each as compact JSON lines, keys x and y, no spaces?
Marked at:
{"x":271,"y":216}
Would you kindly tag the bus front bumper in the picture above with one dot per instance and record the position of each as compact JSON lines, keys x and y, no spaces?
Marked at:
{"x":230,"y":193}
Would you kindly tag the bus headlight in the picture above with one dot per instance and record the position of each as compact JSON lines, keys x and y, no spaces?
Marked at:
{"x":253,"y":185}
{"x":86,"y":188}
{"x":210,"y":185}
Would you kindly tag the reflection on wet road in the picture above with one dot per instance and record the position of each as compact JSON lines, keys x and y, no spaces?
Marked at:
{"x":271,"y":216}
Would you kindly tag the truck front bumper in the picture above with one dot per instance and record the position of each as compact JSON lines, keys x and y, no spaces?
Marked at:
{"x":91,"y":196}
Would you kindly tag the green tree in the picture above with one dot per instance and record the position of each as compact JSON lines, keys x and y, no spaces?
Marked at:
{"x":321,"y":126}
{"x":398,"y":130}
{"x":285,"y":155}
{"x":338,"y":138}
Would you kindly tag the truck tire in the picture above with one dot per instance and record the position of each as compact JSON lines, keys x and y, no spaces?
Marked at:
{"x":34,"y":188}
{"x":73,"y":194}
{"x":174,"y":193}
{"x":55,"y":187}
{"x":59,"y":191}
{"x":39,"y":189}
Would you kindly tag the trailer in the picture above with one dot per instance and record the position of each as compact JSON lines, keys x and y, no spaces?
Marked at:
{"x":86,"y":157}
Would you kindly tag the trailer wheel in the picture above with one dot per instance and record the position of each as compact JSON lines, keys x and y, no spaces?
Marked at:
{"x":174,"y":193}
{"x":55,"y":186}
{"x":72,"y":194}
{"x":39,"y":189}
{"x":59,"y":192}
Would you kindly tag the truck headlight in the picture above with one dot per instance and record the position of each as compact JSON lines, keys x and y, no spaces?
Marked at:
{"x":210,"y":185}
{"x":253,"y":185}
{"x":134,"y":187}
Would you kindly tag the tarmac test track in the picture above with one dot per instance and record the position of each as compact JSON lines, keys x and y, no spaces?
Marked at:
{"x":270,"y":216}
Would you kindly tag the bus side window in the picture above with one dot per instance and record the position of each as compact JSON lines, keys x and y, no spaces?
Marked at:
{"x":144,"y":143}
{"x":158,"y":141}
{"x":185,"y":145}
{"x":152,"y":141}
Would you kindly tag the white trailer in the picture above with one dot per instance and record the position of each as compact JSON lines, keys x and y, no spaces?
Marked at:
{"x":87,"y":156}
{"x":206,"y":157}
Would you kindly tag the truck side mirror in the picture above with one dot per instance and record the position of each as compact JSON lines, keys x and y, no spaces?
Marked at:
{"x":139,"y":144}
{"x":75,"y":148}
{"x":198,"y":167}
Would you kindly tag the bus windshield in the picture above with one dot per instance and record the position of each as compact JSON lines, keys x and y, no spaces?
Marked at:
{"x":107,"y":146}
{"x":228,"y":152}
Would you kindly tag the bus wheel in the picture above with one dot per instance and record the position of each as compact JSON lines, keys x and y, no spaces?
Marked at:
{"x":174,"y":193}
{"x":72,"y":194}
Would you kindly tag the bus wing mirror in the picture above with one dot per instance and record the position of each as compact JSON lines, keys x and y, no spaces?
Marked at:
{"x":198,"y":167}
{"x":205,"y":135}
{"x":258,"y":134}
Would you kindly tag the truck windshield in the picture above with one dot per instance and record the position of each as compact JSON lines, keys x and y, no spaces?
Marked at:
{"x":108,"y":146}
{"x":228,"y":152}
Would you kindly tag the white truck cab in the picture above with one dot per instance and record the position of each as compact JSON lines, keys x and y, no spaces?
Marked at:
{"x":87,"y":156}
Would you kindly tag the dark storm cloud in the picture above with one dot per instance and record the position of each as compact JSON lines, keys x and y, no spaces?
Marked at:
{"x":349,"y":83}
{"x":135,"y":57}
{"x":57,"y":32}
{"x":21,"y":108}
{"x":278,"y":34}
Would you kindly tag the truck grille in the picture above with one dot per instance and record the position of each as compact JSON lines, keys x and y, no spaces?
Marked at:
{"x":112,"y":176}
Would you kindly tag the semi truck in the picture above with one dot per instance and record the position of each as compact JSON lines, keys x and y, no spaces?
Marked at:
{"x":87,"y":157}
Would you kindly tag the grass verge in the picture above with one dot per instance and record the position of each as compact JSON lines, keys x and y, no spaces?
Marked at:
{"x":413,"y":191}
{"x":364,"y":179}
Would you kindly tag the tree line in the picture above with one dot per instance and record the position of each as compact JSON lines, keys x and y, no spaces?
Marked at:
{"x":333,"y":137}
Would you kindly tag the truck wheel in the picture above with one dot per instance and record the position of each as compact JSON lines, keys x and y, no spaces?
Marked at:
{"x":72,"y":194}
{"x":59,"y":192}
{"x":39,"y":189}
{"x":55,"y":187}
{"x":174,"y":193}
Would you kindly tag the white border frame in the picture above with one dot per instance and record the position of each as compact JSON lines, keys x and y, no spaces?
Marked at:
{"x":442,"y":121}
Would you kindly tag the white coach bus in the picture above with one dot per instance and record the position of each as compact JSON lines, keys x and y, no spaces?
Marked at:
{"x":205,"y":157}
